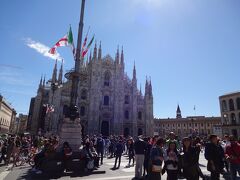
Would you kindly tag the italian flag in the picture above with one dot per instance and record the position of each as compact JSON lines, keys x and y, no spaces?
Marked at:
{"x":84,"y":51}
{"x":67,"y":40}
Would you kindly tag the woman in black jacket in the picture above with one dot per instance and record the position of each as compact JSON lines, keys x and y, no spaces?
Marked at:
{"x":190,"y":158}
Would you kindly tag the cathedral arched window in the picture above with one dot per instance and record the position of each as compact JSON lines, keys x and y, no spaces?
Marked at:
{"x":140,"y":115}
{"x":238,"y":103}
{"x":84,"y":94}
{"x":126,"y":99}
{"x":106,"y":101}
{"x":231,"y":105}
{"x":126,"y":114}
{"x":107,"y":78}
{"x":82,"y":111}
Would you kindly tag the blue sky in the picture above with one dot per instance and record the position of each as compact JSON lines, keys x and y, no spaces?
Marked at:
{"x":190,"y":48}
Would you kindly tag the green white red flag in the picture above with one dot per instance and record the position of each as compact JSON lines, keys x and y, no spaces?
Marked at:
{"x":84,"y":51}
{"x":67,"y":40}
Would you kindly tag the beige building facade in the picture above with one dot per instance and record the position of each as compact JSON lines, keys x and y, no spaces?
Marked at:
{"x":7,"y":116}
{"x":230,"y":113}
{"x":192,"y":125}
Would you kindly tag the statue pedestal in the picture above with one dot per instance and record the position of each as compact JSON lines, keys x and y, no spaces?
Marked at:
{"x":71,"y":132}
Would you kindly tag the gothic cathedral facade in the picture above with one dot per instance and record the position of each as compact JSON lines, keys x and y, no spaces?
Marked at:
{"x":109,"y":101}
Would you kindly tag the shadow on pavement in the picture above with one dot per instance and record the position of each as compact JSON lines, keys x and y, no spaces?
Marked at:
{"x":31,"y":175}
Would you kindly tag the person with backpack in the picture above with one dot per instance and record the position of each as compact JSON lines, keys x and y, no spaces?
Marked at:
{"x":214,"y":153}
{"x":233,"y":156}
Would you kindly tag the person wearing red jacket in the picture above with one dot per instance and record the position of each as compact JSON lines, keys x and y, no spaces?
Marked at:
{"x":233,"y":155}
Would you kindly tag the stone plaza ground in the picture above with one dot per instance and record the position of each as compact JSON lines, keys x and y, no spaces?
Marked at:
{"x":105,"y":172}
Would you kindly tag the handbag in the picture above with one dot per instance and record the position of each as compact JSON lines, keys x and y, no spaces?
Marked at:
{"x":90,"y":164}
{"x":156,"y":168}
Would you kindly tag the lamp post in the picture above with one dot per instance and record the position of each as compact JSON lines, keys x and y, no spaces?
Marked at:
{"x":74,"y":75}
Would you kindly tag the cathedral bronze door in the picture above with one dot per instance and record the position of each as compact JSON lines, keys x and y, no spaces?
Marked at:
{"x":105,"y":128}
{"x":126,"y":132}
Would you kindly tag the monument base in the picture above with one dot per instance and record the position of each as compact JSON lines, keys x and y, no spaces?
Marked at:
{"x":71,"y":132}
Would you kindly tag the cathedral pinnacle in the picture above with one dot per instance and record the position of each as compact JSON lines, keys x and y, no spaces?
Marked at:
{"x":122,"y":57}
{"x":60,"y":75}
{"x":95,"y":51}
{"x":100,"y":52}
{"x":117,"y":56}
{"x":54,"y":75}
{"x":134,"y":72}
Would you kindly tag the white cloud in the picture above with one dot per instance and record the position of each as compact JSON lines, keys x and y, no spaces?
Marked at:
{"x":41,"y":48}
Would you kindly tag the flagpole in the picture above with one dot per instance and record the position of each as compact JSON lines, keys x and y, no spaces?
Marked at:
{"x":75,"y":75}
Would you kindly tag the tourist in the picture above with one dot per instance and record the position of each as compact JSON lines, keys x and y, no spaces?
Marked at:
{"x":131,"y":152}
{"x":156,"y":158}
{"x":233,"y":156}
{"x":66,"y":152}
{"x":189,"y":159}
{"x":171,"y":161}
{"x":214,"y":153}
{"x":100,"y":147}
{"x":147,"y":152}
{"x":3,"y":152}
{"x":118,"y":153}
{"x":139,"y":147}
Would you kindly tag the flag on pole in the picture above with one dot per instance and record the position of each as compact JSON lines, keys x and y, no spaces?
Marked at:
{"x":49,"y":108}
{"x":85,"y":40}
{"x":84,"y":51}
{"x":66,"y":40}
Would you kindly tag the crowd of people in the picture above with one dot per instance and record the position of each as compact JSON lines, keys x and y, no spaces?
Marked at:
{"x":151,"y":156}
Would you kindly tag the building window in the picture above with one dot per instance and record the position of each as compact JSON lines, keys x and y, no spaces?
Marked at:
{"x":208,"y":124}
{"x":107,"y":78}
{"x":190,"y":124}
{"x":231,"y":105}
{"x":202,"y":124}
{"x":82,"y":111}
{"x":184,"y":125}
{"x":233,"y":119}
{"x":195,"y":124}
{"x":84,"y":94}
{"x":224,"y":106}
{"x":238,"y":103}
{"x":126,"y":99}
{"x":178,"y":125}
{"x":126,"y":114}
{"x":140,"y":115}
{"x":106,"y":101}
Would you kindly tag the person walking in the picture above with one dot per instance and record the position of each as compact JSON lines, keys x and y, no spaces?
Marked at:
{"x":100,"y":147}
{"x":131,"y":152}
{"x":190,"y":158}
{"x":214,"y":153}
{"x":156,"y":160}
{"x":171,"y":161}
{"x":233,"y":156}
{"x":139,"y":147}
{"x":118,"y":153}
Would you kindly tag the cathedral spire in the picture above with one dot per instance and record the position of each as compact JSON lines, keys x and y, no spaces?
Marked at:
{"x":100,"y":52}
{"x":40,"y":83}
{"x":117,"y":56}
{"x":150,"y":87}
{"x":95,"y":51}
{"x":179,"y":114}
{"x":60,"y":75}
{"x":146,"y":86}
{"x":54,"y":75}
{"x":134,"y":72}
{"x":140,"y":89}
{"x":122,"y":57}
{"x":44,"y":81}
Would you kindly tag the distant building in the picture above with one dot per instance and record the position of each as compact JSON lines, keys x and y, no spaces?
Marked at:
{"x":7,"y":116}
{"x":230,"y":113}
{"x":192,"y":125}
{"x":109,"y":101}
{"x":20,"y":125}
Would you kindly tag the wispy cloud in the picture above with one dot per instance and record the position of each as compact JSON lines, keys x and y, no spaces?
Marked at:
{"x":41,"y":48}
